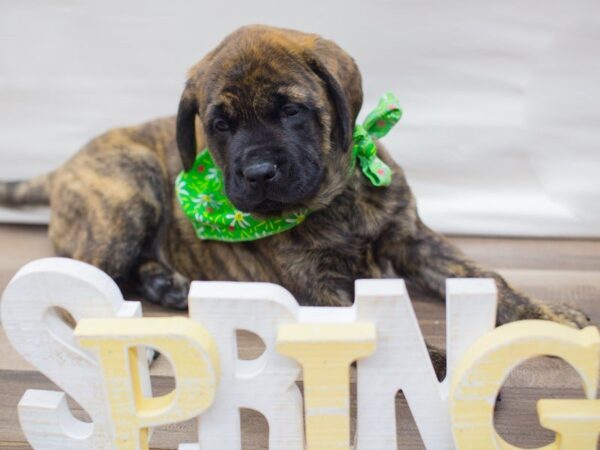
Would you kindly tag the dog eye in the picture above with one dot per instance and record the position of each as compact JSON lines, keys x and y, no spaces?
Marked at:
{"x":290,"y":109}
{"x":221,"y":125}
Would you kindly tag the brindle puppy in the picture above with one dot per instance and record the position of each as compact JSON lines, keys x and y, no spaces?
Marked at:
{"x":276,"y":108}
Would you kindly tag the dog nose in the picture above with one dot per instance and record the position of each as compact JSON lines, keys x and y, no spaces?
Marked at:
{"x":260,"y":173}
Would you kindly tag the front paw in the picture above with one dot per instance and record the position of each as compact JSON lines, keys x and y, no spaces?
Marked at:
{"x":159,"y":285}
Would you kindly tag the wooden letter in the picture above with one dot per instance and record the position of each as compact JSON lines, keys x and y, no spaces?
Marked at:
{"x":266,"y":384}
{"x":325,"y":352}
{"x":401,"y":361}
{"x":576,"y":422}
{"x":486,"y":364}
{"x":38,"y":330}
{"x":190,"y":350}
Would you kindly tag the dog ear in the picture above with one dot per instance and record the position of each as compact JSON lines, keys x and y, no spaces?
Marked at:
{"x":186,"y":126}
{"x":344,"y":86}
{"x":189,"y":107}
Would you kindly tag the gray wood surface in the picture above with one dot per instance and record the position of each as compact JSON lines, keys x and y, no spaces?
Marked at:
{"x":551,"y":270}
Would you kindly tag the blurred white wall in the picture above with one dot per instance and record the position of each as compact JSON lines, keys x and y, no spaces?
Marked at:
{"x":501,"y":132}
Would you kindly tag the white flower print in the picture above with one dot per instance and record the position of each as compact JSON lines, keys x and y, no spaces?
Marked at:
{"x":212,"y":174}
{"x":238,"y":218}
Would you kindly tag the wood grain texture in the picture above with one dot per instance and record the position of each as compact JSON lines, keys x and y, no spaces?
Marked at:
{"x":551,"y":270}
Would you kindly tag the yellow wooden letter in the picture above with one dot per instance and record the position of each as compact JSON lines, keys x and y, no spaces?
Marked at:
{"x":325,"y":352}
{"x":576,"y":422}
{"x":191,"y":352}
{"x":484,"y":367}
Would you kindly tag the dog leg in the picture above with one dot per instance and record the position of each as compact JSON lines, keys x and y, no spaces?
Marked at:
{"x":438,"y":359}
{"x":110,"y":209}
{"x":429,"y":259}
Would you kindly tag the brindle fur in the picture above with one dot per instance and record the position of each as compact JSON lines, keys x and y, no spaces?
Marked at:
{"x":113,"y":203}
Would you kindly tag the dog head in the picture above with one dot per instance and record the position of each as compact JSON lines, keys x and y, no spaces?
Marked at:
{"x":277,"y":110}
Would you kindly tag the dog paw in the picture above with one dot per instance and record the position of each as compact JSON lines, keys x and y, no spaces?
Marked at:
{"x":158,"y":285}
{"x":564,"y":314}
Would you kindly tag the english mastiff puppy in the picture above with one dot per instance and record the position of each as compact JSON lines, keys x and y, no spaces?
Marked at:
{"x":277,"y":110}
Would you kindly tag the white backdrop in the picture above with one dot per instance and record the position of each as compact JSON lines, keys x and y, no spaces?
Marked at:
{"x":501,"y":132}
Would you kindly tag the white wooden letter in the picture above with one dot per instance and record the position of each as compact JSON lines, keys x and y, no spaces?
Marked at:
{"x":266,"y":384}
{"x":401,"y":360}
{"x":37,"y":331}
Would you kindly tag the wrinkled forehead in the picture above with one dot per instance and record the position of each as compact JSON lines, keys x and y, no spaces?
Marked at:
{"x":252,"y":83}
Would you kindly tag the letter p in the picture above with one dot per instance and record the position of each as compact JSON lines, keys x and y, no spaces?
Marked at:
{"x":191,"y":352}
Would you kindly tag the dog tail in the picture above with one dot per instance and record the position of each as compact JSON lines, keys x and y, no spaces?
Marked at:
{"x":33,"y":192}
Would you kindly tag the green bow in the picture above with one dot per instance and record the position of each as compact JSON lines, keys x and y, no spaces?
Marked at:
{"x":201,"y":190}
{"x":376,"y":125}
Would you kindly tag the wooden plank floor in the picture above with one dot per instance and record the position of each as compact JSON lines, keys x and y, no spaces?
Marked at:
{"x":551,"y":270}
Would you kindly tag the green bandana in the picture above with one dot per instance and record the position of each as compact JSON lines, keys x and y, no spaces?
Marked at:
{"x":201,"y":190}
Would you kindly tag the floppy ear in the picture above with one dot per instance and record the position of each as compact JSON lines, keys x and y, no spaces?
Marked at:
{"x":344,"y":86}
{"x":186,"y":127}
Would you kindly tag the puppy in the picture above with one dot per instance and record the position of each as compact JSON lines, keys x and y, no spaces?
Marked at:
{"x":265,"y":97}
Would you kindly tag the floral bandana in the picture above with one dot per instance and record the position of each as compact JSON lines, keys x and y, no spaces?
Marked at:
{"x":201,"y":190}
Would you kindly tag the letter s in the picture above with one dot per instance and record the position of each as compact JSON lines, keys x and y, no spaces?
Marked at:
{"x":35,"y":327}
